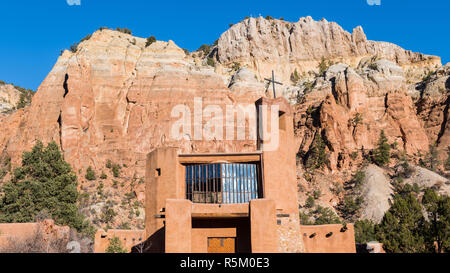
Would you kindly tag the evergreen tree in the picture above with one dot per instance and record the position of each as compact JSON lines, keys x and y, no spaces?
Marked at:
{"x":401,"y":229}
{"x":437,"y":228}
{"x":364,"y":231}
{"x":432,"y":158}
{"x":44,"y":182}
{"x":382,"y":154}
{"x":326,"y":216}
{"x":316,"y":155}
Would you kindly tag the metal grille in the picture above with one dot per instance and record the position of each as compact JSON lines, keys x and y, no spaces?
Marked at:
{"x":222,"y":183}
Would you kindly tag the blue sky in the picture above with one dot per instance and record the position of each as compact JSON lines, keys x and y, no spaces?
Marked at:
{"x":34,"y":32}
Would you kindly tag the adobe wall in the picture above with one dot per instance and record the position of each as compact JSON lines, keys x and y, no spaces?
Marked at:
{"x":263,"y":223}
{"x":328,"y":239}
{"x":178,"y":226}
{"x":280,"y":182}
{"x":23,"y":231}
{"x":129,"y":239}
{"x":164,"y":180}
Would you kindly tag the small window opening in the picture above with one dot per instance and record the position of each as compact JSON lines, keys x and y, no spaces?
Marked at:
{"x":282,"y":120}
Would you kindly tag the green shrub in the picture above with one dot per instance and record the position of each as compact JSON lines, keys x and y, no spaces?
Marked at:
{"x":115,"y":246}
{"x":358,"y":178}
{"x":124,"y":30}
{"x":210,"y":62}
{"x":447,"y":162}
{"x":427,"y":76}
{"x":100,"y":188}
{"x":108,"y":213}
{"x":74,"y":48}
{"x":206,"y":49}
{"x":432,"y":158}
{"x":125,"y":225}
{"x":108,"y":164}
{"x":323,"y":66}
{"x":295,"y":77}
{"x":103,"y":176}
{"x":305,"y":219}
{"x":90,"y":174}
{"x":25,"y":97}
{"x":351,"y":205}
{"x":354,"y":155}
{"x":357,"y":119}
{"x":325,"y":216}
{"x":150,"y":40}
{"x":236,"y":66}
{"x":116,"y":170}
{"x":337,"y":188}
{"x":309,"y":202}
{"x":317,"y":194}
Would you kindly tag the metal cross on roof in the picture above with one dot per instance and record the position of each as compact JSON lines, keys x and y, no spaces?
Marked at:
{"x":273,"y":83}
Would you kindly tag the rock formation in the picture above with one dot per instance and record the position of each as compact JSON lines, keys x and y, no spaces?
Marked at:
{"x":351,"y":108}
{"x":265,"y":45}
{"x":376,"y":191}
{"x":113,"y":100}
{"x":9,"y":97}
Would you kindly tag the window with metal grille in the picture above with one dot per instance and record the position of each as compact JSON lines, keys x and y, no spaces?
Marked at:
{"x":222,"y":183}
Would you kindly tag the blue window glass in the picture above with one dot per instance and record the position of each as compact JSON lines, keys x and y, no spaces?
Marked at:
{"x":222,"y":183}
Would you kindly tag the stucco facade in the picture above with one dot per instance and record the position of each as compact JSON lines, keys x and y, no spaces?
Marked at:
{"x":268,"y":222}
{"x":240,"y":202}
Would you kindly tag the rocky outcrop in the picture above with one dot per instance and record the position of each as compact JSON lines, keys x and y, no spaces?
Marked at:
{"x":350,"y":109}
{"x":425,"y":178}
{"x":376,"y":192}
{"x":9,"y":97}
{"x":265,"y":45}
{"x":432,"y":102}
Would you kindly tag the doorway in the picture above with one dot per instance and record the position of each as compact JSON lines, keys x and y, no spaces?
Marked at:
{"x":221,"y":245}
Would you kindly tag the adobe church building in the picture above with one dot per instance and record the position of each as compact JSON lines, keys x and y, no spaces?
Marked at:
{"x":231,"y":203}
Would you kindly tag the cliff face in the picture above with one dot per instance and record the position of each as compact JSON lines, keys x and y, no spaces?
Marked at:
{"x":350,"y":109}
{"x":433,"y":107}
{"x":265,"y":45}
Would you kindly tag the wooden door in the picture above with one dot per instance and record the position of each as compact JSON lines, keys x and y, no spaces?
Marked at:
{"x":221,"y":245}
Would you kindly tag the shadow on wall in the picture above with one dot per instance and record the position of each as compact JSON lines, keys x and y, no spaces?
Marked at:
{"x":154,"y":244}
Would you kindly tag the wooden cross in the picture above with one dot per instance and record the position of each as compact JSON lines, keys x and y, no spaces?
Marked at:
{"x":273,"y":83}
